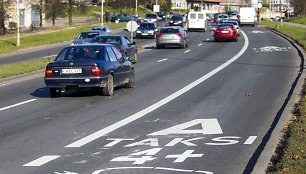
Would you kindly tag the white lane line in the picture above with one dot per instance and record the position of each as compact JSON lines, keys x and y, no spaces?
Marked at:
{"x":200,"y":45}
{"x":162,"y":60}
{"x":250,"y":140}
{"x":207,"y":39}
{"x":18,"y":104}
{"x":50,"y":56}
{"x":186,"y":51}
{"x":41,"y":161}
{"x":158,"y":104}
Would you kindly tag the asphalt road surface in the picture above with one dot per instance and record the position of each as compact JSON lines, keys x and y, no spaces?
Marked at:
{"x":205,"y":109}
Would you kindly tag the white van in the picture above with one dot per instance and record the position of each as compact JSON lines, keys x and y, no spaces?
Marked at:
{"x":196,"y":21}
{"x":247,"y":16}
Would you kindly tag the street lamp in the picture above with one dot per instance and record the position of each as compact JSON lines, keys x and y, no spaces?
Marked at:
{"x":136,"y":8}
{"x":18,"y":31}
{"x":102,"y":13}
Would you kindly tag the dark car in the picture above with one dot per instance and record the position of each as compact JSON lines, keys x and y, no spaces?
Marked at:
{"x":121,"y":18}
{"x":86,"y":36}
{"x":151,"y":17}
{"x":104,"y":28}
{"x":99,"y":66}
{"x":226,"y":31}
{"x":122,"y":43}
{"x":161,"y":15}
{"x":176,"y":20}
{"x":147,"y":29}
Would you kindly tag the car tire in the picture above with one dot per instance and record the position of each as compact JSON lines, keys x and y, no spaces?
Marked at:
{"x":158,"y":46}
{"x":108,"y":90}
{"x":135,"y":58}
{"x":131,"y":82}
{"x":54,"y":92}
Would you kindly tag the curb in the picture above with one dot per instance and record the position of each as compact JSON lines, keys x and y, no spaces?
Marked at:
{"x":293,"y":97}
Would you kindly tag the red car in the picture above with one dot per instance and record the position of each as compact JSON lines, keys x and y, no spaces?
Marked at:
{"x":226,"y":32}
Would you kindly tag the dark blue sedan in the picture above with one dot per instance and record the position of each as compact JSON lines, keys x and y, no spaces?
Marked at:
{"x":100,"y":66}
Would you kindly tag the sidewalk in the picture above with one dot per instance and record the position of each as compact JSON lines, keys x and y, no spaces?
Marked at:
{"x":295,"y":24}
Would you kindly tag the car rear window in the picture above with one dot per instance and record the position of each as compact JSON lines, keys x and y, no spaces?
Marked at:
{"x":108,"y":39}
{"x":176,"y":18}
{"x":201,"y":16}
{"x":169,"y":30}
{"x":192,"y":16}
{"x":81,"y":53}
{"x":85,"y":35}
{"x":151,"y":16}
{"x":226,"y":26}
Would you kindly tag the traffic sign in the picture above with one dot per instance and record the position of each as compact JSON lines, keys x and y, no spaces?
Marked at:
{"x":131,"y":26}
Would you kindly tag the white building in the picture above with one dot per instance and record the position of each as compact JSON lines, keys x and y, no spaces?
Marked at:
{"x":28,"y":14}
{"x":179,"y":4}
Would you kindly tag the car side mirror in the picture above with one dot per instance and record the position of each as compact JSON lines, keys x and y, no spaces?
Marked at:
{"x":156,"y":29}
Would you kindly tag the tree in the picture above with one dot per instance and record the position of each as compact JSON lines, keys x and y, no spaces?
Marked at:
{"x":299,"y":6}
{"x":68,"y":8}
{"x":54,"y":9}
{"x":165,"y":5}
{"x":5,"y":6}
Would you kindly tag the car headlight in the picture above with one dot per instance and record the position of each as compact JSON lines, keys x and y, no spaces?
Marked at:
{"x":179,"y":21}
{"x":138,"y":31}
{"x":171,"y":21}
{"x":150,"y":31}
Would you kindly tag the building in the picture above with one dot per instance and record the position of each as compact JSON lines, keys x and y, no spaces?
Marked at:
{"x":209,"y":5}
{"x":179,"y":5}
{"x":29,"y":14}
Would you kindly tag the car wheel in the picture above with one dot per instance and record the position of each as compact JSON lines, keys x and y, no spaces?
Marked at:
{"x":158,"y":46}
{"x":55,"y":92}
{"x":108,"y":90}
{"x":135,"y":58}
{"x":131,"y":83}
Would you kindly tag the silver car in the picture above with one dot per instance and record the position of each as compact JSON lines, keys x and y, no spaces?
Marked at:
{"x":172,"y":35}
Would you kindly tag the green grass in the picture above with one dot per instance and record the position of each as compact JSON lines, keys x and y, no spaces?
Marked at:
{"x":9,"y":70}
{"x":298,"y":20}
{"x":9,"y":45}
{"x":293,"y":158}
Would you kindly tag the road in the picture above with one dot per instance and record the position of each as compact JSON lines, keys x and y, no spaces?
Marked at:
{"x":204,"y":109}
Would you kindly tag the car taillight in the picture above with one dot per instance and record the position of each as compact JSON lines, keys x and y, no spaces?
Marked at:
{"x":159,"y":36}
{"x":48,"y":72}
{"x":218,"y":31}
{"x":95,"y":71}
{"x":179,"y":35}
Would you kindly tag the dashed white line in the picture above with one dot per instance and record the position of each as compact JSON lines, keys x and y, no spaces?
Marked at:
{"x":250,"y":140}
{"x":186,"y":51}
{"x":158,"y":104}
{"x":41,"y":161}
{"x":200,"y":45}
{"x":162,"y":60}
{"x":207,"y":39}
{"x":18,"y":104}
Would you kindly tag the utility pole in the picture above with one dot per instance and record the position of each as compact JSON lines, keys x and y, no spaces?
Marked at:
{"x":281,"y":14}
{"x":136,"y":8}
{"x":18,"y":23}
{"x":102,"y":12}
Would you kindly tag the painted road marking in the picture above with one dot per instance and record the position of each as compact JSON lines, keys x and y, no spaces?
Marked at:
{"x":250,"y":140}
{"x":41,"y":161}
{"x":182,"y":157}
{"x":162,"y":60}
{"x":186,"y":51}
{"x":207,"y":39}
{"x":158,"y":104}
{"x":200,"y":45}
{"x":153,"y":168}
{"x":18,"y":104}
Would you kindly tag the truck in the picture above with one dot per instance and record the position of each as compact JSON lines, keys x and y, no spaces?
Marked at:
{"x":247,"y":16}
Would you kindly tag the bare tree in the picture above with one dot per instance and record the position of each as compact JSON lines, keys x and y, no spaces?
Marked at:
{"x":4,"y":10}
{"x":68,"y":8}
{"x":54,"y":9}
{"x":299,"y":6}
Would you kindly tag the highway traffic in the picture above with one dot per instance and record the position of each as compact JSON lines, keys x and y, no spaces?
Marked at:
{"x":208,"y":108}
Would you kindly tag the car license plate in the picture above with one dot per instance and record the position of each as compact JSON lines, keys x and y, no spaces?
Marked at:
{"x":225,"y":31}
{"x":168,"y":37}
{"x":71,"y":71}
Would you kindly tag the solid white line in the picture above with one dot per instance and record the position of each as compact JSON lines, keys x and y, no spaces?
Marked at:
{"x":172,"y":169}
{"x":162,"y":60}
{"x":200,"y":45}
{"x":158,"y":104}
{"x":186,"y":51}
{"x":18,"y":104}
{"x":49,"y":56}
{"x":250,"y":140}
{"x":41,"y":161}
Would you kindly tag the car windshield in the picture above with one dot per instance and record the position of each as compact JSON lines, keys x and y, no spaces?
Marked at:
{"x":85,"y":35}
{"x":176,"y":18}
{"x":146,"y":26}
{"x":151,"y":16}
{"x":223,"y":16}
{"x":80,"y":53}
{"x":108,"y":39}
{"x":169,"y":30}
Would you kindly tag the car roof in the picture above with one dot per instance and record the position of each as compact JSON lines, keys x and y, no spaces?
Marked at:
{"x":175,"y":27}
{"x":87,"y":31}
{"x":90,"y":45}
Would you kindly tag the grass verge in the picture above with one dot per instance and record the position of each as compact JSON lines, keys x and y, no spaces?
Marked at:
{"x":290,"y":156}
{"x":23,"y":67}
{"x":9,"y":45}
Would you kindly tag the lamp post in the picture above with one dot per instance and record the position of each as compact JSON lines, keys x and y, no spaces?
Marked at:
{"x":281,"y":13}
{"x":18,"y":31}
{"x":136,"y":8}
{"x":102,"y":13}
